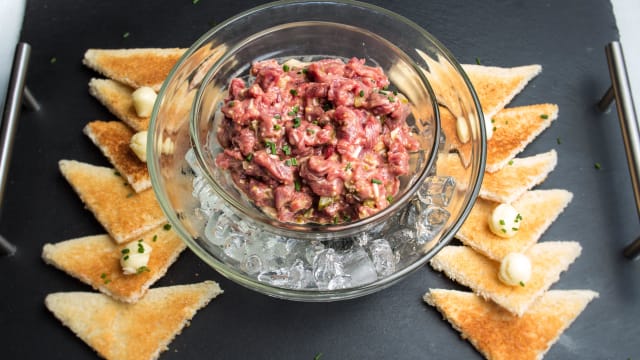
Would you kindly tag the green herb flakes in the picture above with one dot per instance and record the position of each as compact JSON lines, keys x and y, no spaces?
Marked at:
{"x":142,"y":269}
{"x":389,"y":198}
{"x":293,"y":92}
{"x":167,"y":227}
{"x":140,"y":248}
{"x":285,"y":68}
{"x":272,"y":147}
{"x":521,"y":284}
{"x":277,"y":127}
{"x":361,"y":93}
{"x":510,"y":162}
{"x":126,"y":35}
{"x":376,"y":181}
{"x":348,"y":167}
{"x":544,"y":116}
{"x":296,"y":122}
{"x":297,"y":185}
{"x":125,"y":251}
{"x":155,"y":237}
{"x":478,"y":61}
{"x":558,"y":141}
{"x":195,"y":1}
{"x":53,"y":60}
{"x":597,"y":166}
{"x":249,"y":157}
{"x":286,"y":149}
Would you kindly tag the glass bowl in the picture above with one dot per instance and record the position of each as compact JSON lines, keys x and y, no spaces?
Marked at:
{"x":313,"y":262}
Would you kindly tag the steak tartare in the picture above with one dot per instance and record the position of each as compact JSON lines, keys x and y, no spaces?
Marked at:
{"x":322,"y":142}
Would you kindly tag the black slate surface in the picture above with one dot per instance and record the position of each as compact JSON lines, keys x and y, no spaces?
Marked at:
{"x":566,"y":37}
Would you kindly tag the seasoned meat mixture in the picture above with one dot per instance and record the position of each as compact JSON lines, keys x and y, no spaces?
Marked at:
{"x":321,"y":142}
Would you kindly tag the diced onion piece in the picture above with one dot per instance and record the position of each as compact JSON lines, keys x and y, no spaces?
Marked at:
{"x":138,"y":144}
{"x":324,"y":201}
{"x":504,"y":220}
{"x":515,"y":269}
{"x":143,"y":100}
{"x":134,"y":257}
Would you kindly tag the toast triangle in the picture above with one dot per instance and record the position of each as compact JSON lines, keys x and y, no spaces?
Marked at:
{"x":95,"y":260}
{"x":138,"y":331}
{"x":113,"y":138}
{"x":469,"y":268}
{"x":507,"y":184}
{"x":538,"y":208}
{"x":123,"y":213}
{"x":116,"y":97}
{"x":134,"y":67}
{"x":499,"y":335}
{"x":497,"y":86}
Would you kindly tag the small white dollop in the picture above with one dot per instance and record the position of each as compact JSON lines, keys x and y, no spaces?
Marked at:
{"x":143,"y":100}
{"x":168,"y":146}
{"x":134,"y":257}
{"x":462,"y":129}
{"x":505,"y":220}
{"x":515,"y":269}
{"x":488,"y":124}
{"x":138,"y":144}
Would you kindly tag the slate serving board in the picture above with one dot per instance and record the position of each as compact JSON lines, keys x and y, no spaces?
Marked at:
{"x":566,"y":37}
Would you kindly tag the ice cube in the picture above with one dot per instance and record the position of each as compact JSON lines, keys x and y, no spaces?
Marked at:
{"x":312,"y":250}
{"x":234,"y":247}
{"x":300,"y":276}
{"x":358,"y":266}
{"x":339,"y":282}
{"x":217,"y":229}
{"x":278,"y":277}
{"x":437,"y":190}
{"x":326,"y":266}
{"x":382,"y":257}
{"x":431,"y":222}
{"x":252,"y":264}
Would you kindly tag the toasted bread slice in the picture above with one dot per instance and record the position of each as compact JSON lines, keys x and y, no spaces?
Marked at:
{"x":134,"y":67}
{"x":515,"y":128}
{"x":113,"y":137}
{"x":507,"y":184}
{"x":125,"y":214}
{"x":497,"y":86}
{"x":469,"y":268}
{"x":499,"y":335}
{"x":95,"y":260}
{"x":116,"y":97}
{"x":139,"y":331}
{"x":539,"y":209}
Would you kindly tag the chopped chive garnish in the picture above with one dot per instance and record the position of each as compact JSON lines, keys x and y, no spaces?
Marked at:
{"x":116,"y":173}
{"x":510,"y":162}
{"x":304,"y":70}
{"x":376,"y":181}
{"x":361,"y":93}
{"x":518,"y":217}
{"x":167,"y":227}
{"x":293,"y":92}
{"x":249,"y":157}
{"x":129,"y":195}
{"x":107,"y":281}
{"x":318,"y":356}
{"x":125,"y":35}
{"x":195,"y":1}
{"x":297,"y":185}
{"x":103,"y":276}
{"x":142,"y":269}
{"x":389,"y":198}
{"x":277,"y":127}
{"x":327,"y":106}
{"x":494,"y":128}
{"x":277,"y":116}
{"x":335,"y":219}
{"x":501,"y":222}
{"x":285,"y":67}
{"x":503,"y":230}
{"x":125,"y":251}
{"x":53,"y":60}
{"x":521,"y":284}
{"x":559,"y":141}
{"x":155,"y":237}
{"x":597,"y":166}
{"x":286,"y":149}
{"x":478,"y":61}
{"x":140,"y":248}
{"x":296,"y":122}
{"x":294,"y":161}
{"x":311,"y":131}
{"x":348,"y":167}
{"x":272,"y":147}
{"x":126,"y":257}
{"x":346,"y":218}
{"x":391,"y":98}
{"x":493,"y":120}
{"x":544,"y":116}
{"x":514,"y":228}
{"x":230,"y":104}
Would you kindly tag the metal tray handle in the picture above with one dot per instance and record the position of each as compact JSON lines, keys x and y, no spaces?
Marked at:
{"x":620,"y":90}
{"x":10,"y":121}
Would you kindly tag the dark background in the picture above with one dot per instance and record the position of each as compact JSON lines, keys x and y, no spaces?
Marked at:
{"x":566,"y":37}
